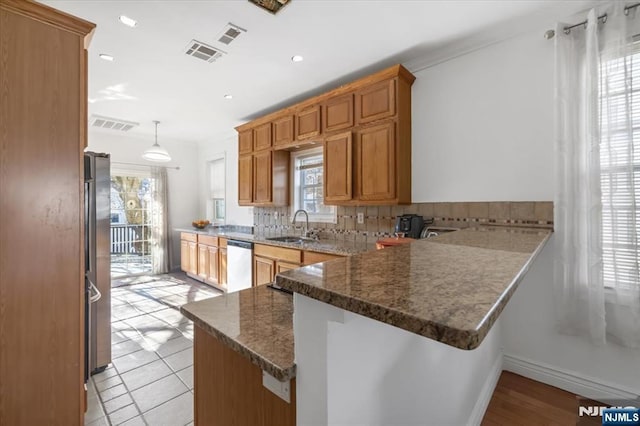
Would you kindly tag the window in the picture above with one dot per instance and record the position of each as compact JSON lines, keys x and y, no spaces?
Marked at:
{"x":307,"y":186}
{"x":215,"y":201}
{"x":620,"y":169}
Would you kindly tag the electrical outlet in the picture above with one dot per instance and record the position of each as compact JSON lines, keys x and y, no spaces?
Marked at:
{"x":360,"y":218}
{"x":275,"y":215}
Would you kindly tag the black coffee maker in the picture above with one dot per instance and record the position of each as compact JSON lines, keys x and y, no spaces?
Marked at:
{"x":410,"y":224}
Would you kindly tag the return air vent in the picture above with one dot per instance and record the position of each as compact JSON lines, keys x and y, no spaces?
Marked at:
{"x":203,"y":51}
{"x":111,"y":123}
{"x":230,"y":32}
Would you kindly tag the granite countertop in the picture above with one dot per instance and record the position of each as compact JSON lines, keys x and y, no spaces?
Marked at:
{"x":342,"y":248}
{"x":256,"y":322}
{"x":450,"y":288}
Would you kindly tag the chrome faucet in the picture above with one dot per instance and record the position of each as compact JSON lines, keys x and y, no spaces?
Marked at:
{"x":306,"y":227}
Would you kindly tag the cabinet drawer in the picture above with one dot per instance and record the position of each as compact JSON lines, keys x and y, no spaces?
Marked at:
{"x":279,"y":253}
{"x":311,"y":257}
{"x":208,"y":240}
{"x":187,"y":236}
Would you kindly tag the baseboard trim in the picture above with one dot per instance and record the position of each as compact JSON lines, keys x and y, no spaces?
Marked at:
{"x":482,"y":403}
{"x":566,"y":379}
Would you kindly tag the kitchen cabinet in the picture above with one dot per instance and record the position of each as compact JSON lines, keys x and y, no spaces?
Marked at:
{"x":311,"y":257}
{"x":203,"y":262}
{"x":263,"y":179}
{"x":285,"y":266}
{"x":213,"y":266}
{"x":338,"y":165}
{"x":245,"y":142}
{"x":338,"y":113}
{"x":283,"y":131}
{"x":184,"y":255}
{"x":193,"y":259}
{"x":308,"y":123}
{"x":262,"y":137}
{"x":245,"y":180}
{"x":263,"y":270}
{"x":269,"y":260}
{"x":376,"y":101}
{"x":222,"y":259}
{"x":43,"y":121}
{"x":376,"y":163}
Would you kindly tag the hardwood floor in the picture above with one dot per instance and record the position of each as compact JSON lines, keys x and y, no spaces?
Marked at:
{"x":521,"y":401}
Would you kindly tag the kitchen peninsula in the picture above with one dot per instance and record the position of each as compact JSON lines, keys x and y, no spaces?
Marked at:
{"x":402,"y":335}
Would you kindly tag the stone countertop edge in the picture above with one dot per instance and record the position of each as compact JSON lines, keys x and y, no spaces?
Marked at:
{"x":281,"y":373}
{"x":341,"y":248}
{"x":467,"y":339}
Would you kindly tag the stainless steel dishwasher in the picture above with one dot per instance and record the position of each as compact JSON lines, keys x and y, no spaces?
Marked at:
{"x":239,"y":265}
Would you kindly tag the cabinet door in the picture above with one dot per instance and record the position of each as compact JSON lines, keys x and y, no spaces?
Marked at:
{"x":262,"y":137}
{"x":184,"y":255}
{"x":308,"y":123}
{"x":376,"y":101}
{"x":284,"y":266}
{"x":338,"y":162}
{"x":245,"y":141}
{"x":283,"y":131}
{"x":376,"y":163}
{"x":203,"y":261}
{"x":338,"y":113}
{"x":262,"y":178}
{"x":245,"y":180}
{"x":263,"y":270}
{"x":193,"y":258}
{"x":212,"y":267}
{"x":222,"y":274}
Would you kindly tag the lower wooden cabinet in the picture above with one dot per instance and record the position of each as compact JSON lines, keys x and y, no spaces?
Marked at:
{"x":193,"y":258}
{"x":203,"y":261}
{"x":184,"y":255}
{"x":263,"y":270}
{"x":212,"y":266}
{"x":204,"y":257}
{"x":222,"y":259}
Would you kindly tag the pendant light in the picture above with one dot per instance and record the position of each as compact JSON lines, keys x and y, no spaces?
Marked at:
{"x":156,"y":152}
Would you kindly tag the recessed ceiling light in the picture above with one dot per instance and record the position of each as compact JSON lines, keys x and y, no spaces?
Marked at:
{"x":297,"y":58}
{"x":228,"y":96}
{"x":128,"y":21}
{"x":106,"y":57}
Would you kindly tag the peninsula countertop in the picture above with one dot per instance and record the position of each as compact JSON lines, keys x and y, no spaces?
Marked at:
{"x":256,"y":322}
{"x":451,"y":288}
{"x":338,"y":247}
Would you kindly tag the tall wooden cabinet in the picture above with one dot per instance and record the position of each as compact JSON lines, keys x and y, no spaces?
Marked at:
{"x":43,"y":125}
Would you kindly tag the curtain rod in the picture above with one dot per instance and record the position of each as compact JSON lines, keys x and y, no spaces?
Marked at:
{"x":145,"y":165}
{"x":550,"y":33}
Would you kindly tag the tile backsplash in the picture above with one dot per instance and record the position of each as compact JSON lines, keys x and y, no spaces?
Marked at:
{"x":379,"y":221}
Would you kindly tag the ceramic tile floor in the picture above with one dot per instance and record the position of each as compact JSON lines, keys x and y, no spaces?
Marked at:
{"x":150,"y":381}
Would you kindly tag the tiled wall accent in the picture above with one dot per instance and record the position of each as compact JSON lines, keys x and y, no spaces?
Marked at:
{"x":380,"y":220}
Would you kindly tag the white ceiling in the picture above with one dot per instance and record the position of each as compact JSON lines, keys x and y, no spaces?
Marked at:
{"x":152,"y":79}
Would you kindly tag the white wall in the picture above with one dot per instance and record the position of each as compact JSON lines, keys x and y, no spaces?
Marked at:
{"x":183,"y":188}
{"x":483,"y":125}
{"x":483,"y":131}
{"x":228,"y":148}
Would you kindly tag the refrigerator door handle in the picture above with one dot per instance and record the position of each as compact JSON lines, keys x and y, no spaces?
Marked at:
{"x":95,"y":293}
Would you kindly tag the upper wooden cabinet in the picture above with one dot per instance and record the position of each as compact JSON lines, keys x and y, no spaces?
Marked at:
{"x":262,"y":137}
{"x":372,"y":169}
{"x":376,"y":101}
{"x":308,"y":123}
{"x":338,"y":163}
{"x":245,"y":180}
{"x":376,"y":163}
{"x":245,"y":142}
{"x":263,"y":179}
{"x":337,"y":113}
{"x":283,"y":134}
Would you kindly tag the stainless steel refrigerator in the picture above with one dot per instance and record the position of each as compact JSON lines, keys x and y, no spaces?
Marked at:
{"x":97,"y":201}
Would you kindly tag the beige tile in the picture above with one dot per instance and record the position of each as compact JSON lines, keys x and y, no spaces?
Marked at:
{"x":372,"y":211}
{"x":411,"y":209}
{"x":350,"y":223}
{"x":499,"y":210}
{"x":384,"y":211}
{"x":459,"y":210}
{"x":479,"y":210}
{"x":371,"y":224}
{"x":442,"y":210}
{"x":350,"y":211}
{"x":386,"y":225}
{"x":523,"y":210}
{"x":426,"y":209}
{"x":397,"y":211}
{"x":543,"y":210}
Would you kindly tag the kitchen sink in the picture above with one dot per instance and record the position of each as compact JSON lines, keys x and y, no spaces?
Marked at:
{"x":292,"y":239}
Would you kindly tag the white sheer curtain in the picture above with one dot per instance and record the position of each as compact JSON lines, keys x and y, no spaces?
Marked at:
{"x":159,"y":222}
{"x":598,"y":178}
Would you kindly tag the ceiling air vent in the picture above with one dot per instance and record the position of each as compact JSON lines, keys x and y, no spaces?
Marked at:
{"x":230,"y":32}
{"x":203,"y":51}
{"x":111,"y":123}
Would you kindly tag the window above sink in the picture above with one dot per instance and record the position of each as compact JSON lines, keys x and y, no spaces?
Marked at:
{"x":307,"y":191}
